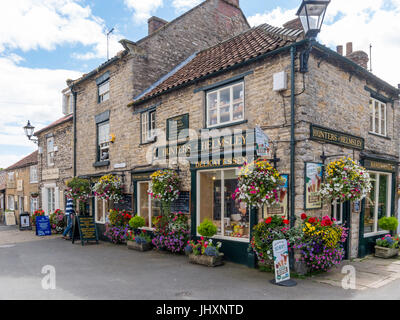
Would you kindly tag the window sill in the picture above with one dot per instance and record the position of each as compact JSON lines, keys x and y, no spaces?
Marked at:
{"x":148,"y":142}
{"x":379,"y":135}
{"x":231,"y":124}
{"x":219,"y":237}
{"x":375,"y":234}
{"x":99,"y":164}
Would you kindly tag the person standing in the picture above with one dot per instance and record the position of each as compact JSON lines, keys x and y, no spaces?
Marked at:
{"x":69,"y":212}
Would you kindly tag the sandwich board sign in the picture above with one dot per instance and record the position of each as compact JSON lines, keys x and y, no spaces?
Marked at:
{"x":43,"y":227}
{"x":281,"y":263}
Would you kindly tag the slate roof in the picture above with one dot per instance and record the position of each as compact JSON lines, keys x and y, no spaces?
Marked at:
{"x":55,"y":123}
{"x":243,"y":47}
{"x":30,"y":160}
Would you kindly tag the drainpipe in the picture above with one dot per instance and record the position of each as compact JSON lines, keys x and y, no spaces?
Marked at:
{"x":75,"y":94}
{"x":292,"y":138}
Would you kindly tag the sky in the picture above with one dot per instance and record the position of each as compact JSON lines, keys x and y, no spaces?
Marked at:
{"x":45,"y":42}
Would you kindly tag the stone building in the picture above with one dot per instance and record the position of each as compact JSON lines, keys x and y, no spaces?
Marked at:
{"x":2,"y":190}
{"x":55,"y":159}
{"x":22,"y":186}
{"x":219,"y":99}
{"x":104,"y":144}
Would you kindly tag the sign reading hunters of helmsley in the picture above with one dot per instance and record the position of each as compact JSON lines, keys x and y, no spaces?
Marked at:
{"x":335,"y":137}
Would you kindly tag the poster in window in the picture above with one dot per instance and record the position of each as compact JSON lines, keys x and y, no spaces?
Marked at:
{"x":282,"y":207}
{"x":313,"y":182}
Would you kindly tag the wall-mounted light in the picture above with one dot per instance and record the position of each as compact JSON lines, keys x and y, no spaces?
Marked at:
{"x":29,"y":130}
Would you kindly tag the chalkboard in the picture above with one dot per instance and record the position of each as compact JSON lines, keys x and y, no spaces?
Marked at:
{"x":87,"y":229}
{"x":182,"y":204}
{"x":43,"y":226}
{"x":125,"y":203}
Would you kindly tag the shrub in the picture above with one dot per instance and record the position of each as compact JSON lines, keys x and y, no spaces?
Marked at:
{"x":207,"y":229}
{"x":388,"y":223}
{"x":137,"y":222}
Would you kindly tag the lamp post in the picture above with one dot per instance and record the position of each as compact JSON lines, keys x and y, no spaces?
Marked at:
{"x":311,"y":14}
{"x":29,"y":129}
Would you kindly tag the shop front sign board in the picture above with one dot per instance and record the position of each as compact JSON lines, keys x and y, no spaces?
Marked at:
{"x":313,"y":183}
{"x":326,"y":135}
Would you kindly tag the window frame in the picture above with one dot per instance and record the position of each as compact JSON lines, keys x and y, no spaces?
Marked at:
{"x":33,"y":207}
{"x":198,"y":199}
{"x":372,"y":107}
{"x":98,"y":147}
{"x":149,"y":203}
{"x":147,"y":126}
{"x":50,"y":154}
{"x":376,"y":198}
{"x":105,"y":210}
{"x":101,"y":97}
{"x":31,"y":180}
{"x":10,"y":202}
{"x":218,"y":90}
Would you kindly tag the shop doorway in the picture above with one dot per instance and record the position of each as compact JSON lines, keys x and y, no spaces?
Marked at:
{"x":341,"y":213}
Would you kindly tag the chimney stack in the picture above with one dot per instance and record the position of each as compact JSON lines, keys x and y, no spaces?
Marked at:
{"x":339,"y":49}
{"x":359,"y":57}
{"x":293,"y":24}
{"x":349,"y":48}
{"x":155,"y":23}
{"x":235,"y":3}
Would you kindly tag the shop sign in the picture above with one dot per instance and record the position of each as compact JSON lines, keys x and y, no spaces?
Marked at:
{"x":262,"y":143}
{"x":377,"y":165}
{"x":50,"y":174}
{"x":43,"y":226}
{"x":335,"y":137}
{"x":87,"y":229}
{"x":281,"y":260}
{"x":176,"y":125}
{"x":221,"y":162}
{"x":313,"y":182}
{"x":142,"y":176}
{"x":282,"y":207}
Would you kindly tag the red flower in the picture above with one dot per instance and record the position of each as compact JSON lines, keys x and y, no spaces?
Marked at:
{"x":303,"y":216}
{"x":312,"y":220}
{"x":286,"y":221}
{"x":268,"y":221}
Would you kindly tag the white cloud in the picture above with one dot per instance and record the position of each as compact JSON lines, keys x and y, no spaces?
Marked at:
{"x":144,"y":9}
{"x":362,"y":22}
{"x":184,"y":5}
{"x":46,"y":24}
{"x":27,"y":94}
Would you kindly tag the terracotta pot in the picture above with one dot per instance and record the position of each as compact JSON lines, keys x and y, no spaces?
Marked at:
{"x":386,"y":253}
{"x":133,"y":245}
{"x":206,"y":260}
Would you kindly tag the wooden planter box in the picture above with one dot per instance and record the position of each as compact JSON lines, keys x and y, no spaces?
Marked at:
{"x":206,"y":260}
{"x":133,"y":245}
{"x":386,"y":253}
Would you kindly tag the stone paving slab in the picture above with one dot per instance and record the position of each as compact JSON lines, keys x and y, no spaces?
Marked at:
{"x":12,"y":235}
{"x":371,"y":273}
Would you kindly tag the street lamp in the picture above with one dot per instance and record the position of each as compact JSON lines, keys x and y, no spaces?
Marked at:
{"x":311,"y":14}
{"x":29,"y":129}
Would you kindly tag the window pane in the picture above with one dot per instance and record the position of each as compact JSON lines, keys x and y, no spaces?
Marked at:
{"x":238,"y":102}
{"x":210,"y":198}
{"x":370,"y":207}
{"x":155,"y":209}
{"x":383,"y":119}
{"x":377,"y":122}
{"x":103,"y":88}
{"x":100,"y":210}
{"x":383,"y":197}
{"x":144,"y":126}
{"x":143,"y":205}
{"x":236,"y":217}
{"x":371,"y":106}
{"x":225,"y":105}
{"x":104,"y":132}
{"x":212,"y":101}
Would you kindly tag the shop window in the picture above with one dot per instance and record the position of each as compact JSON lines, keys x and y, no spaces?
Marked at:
{"x":147,"y":207}
{"x":148,"y":125}
{"x":377,"y":202}
{"x":337,"y":212}
{"x":50,"y":151}
{"x":214,"y":202}
{"x":378,"y":117}
{"x":101,"y":208}
{"x":103,"y":141}
{"x":225,"y":105}
{"x":104,"y":91}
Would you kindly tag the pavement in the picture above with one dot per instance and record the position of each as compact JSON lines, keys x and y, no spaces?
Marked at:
{"x":112,"y":272}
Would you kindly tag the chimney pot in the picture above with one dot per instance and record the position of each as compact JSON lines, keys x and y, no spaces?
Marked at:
{"x":339,"y":50}
{"x":155,"y":23}
{"x":349,"y":48}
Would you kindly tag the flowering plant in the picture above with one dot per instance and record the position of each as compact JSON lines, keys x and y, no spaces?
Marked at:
{"x":345,"y":180}
{"x":37,"y":213}
{"x":116,"y":234}
{"x":172,"y":232}
{"x":164,"y":186}
{"x":78,"y":189}
{"x":269,"y":230}
{"x":119,"y":218}
{"x":141,"y":237}
{"x":322,"y":245}
{"x":109,"y":187}
{"x":203,"y":247}
{"x":57,"y":221}
{"x":258,"y":184}
{"x":388,"y":242}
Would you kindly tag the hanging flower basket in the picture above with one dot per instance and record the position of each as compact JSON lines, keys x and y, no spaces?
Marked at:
{"x":109,"y":187}
{"x":164,"y":186}
{"x":258,"y":184}
{"x":78,"y":189}
{"x":345,"y":180}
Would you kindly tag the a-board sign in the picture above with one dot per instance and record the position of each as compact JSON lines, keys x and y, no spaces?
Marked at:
{"x":87,"y":229}
{"x":43,"y":227}
{"x":10,"y":219}
{"x":25,"y":222}
{"x":281,"y":260}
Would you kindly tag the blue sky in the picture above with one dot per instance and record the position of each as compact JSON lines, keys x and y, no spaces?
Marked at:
{"x":45,"y":42}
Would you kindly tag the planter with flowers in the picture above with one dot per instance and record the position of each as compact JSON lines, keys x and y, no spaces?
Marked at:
{"x":37,"y":213}
{"x":321,"y":246}
{"x":138,"y":239}
{"x":79,"y":190}
{"x":387,"y":247}
{"x":118,"y":226}
{"x":57,"y":222}
{"x":164,"y":186}
{"x":345,"y":180}
{"x":205,"y":251}
{"x":109,"y":187}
